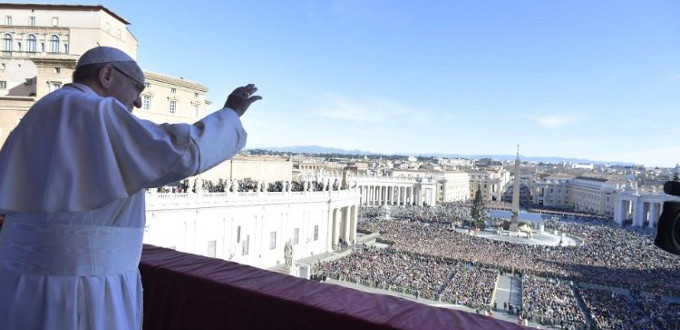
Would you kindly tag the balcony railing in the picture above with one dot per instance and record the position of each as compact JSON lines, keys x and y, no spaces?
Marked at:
{"x":185,"y":291}
{"x":155,"y":200}
{"x":25,"y":54}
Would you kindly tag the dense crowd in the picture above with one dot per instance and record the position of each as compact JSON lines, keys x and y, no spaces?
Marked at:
{"x":610,"y":256}
{"x":471,"y":286}
{"x":622,"y":258}
{"x":667,"y":315}
{"x":550,"y":302}
{"x":610,"y":310}
{"x":422,"y":276}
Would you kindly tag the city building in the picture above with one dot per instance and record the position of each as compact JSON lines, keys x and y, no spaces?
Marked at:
{"x":252,"y":227}
{"x":40,"y":47}
{"x":592,"y":195}
{"x":453,"y":187}
{"x":586,"y":194}
{"x":168,"y":99}
{"x":42,"y":43}
{"x":456,"y":162}
{"x":552,"y":192}
{"x":492,"y":183}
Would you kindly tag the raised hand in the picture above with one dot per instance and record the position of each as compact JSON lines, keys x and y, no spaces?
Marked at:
{"x":241,"y":98}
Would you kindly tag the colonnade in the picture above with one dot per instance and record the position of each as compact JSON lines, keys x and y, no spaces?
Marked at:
{"x":342,"y":224}
{"x":642,"y":208}
{"x":389,"y":195}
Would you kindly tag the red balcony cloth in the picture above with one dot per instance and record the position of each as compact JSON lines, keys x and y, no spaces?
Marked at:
{"x":186,"y":291}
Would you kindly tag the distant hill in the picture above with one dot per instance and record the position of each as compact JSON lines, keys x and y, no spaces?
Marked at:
{"x":545,"y":159}
{"x":318,"y":150}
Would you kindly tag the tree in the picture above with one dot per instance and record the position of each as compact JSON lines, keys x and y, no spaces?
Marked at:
{"x":477,"y":212}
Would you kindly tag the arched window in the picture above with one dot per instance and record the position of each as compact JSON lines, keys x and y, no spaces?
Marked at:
{"x":7,"y":43}
{"x":31,"y":43}
{"x":54,"y":44}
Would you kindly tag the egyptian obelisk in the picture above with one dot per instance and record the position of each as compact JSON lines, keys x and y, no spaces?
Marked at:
{"x":514,"y":223}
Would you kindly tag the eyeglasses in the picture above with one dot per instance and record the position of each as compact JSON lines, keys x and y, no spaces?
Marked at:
{"x":140,"y":86}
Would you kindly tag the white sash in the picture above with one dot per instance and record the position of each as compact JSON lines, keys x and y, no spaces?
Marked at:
{"x":69,"y":250}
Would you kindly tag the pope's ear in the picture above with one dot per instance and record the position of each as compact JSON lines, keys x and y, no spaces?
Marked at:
{"x":105,"y":76}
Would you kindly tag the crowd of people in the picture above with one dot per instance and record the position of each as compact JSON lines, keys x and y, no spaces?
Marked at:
{"x":610,"y":256}
{"x":471,"y":286}
{"x":620,"y":258}
{"x":390,"y":269}
{"x":611,"y":310}
{"x":666,"y":314}
{"x":550,"y":302}
{"x":422,"y":276}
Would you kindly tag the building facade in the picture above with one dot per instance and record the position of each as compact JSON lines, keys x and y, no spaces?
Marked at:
{"x":40,"y":47}
{"x":593,"y":195}
{"x":42,"y":43}
{"x":168,"y":99}
{"x":552,"y":192}
{"x":492,"y":184}
{"x":252,"y":228}
{"x":453,"y":187}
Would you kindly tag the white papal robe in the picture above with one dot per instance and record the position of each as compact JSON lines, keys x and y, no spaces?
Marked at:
{"x":73,"y":176}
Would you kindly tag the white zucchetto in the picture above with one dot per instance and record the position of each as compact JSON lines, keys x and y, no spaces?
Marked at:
{"x":103,"y":54}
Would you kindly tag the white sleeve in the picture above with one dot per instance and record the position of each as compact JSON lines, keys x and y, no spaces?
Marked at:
{"x":212,"y":140}
{"x":151,"y":155}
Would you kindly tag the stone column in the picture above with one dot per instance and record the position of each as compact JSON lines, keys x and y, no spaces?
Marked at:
{"x":329,"y":231}
{"x":392,"y":195}
{"x":419,"y":196}
{"x":353,"y":224}
{"x":336,"y":228}
{"x":618,"y":212}
{"x":374,"y":195}
{"x":376,"y":200}
{"x":638,"y":213}
{"x":346,"y":220}
{"x":654,"y":212}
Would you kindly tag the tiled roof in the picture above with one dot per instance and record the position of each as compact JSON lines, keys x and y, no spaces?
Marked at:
{"x":174,"y":81}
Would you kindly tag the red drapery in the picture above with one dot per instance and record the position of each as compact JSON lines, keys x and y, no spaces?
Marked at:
{"x":186,"y":291}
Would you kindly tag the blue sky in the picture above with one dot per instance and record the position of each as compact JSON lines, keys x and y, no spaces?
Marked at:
{"x":588,"y":79}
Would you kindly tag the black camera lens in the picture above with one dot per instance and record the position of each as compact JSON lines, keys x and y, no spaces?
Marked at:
{"x":668,"y":231}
